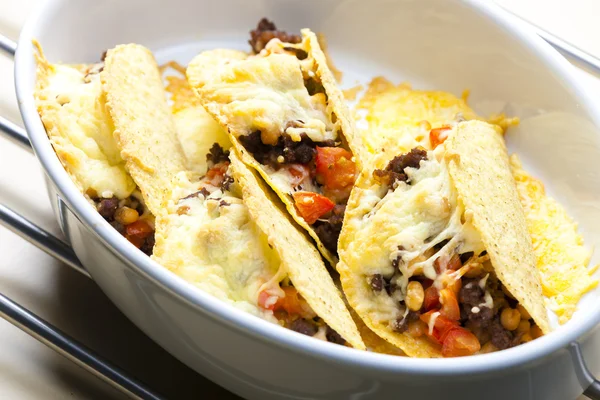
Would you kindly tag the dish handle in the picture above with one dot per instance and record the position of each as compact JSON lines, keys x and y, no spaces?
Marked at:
{"x":584,"y":375}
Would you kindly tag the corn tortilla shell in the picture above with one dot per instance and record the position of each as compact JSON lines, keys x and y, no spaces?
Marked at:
{"x":199,"y":73}
{"x":479,"y":166}
{"x":149,"y":145}
{"x":299,"y":257}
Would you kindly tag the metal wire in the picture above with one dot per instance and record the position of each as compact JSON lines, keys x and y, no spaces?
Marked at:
{"x":72,"y":350}
{"x":15,"y":134}
{"x":8,"y":46}
{"x":40,"y":238}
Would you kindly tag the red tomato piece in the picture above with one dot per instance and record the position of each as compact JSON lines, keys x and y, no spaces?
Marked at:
{"x":432,"y":298}
{"x":437,"y":136}
{"x":215,"y":174}
{"x":312,"y":205}
{"x":267,"y":300}
{"x":441,"y":327}
{"x":293,"y":303}
{"x":460,"y":342}
{"x":449,"y":303}
{"x":335,"y":168}
{"x":137,"y":232}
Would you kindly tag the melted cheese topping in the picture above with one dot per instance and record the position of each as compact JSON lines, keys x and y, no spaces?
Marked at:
{"x":561,"y":256}
{"x":226,"y":255}
{"x":197,"y":132}
{"x":415,"y":217}
{"x":81,"y":133}
{"x":267,"y":93}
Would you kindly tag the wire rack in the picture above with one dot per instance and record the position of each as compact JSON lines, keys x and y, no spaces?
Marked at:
{"x":78,"y":353}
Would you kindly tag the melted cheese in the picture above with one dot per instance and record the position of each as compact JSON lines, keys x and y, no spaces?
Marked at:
{"x":80,"y":130}
{"x":266,"y":94}
{"x":226,"y":255}
{"x":561,"y":256}
{"x":417,"y":217}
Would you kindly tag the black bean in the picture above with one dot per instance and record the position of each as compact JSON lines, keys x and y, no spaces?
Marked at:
{"x":334,"y":337}
{"x":107,"y":208}
{"x":376,"y":282}
{"x":304,"y":327}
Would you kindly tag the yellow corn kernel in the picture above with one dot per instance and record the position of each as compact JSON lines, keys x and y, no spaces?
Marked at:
{"x":417,"y":328}
{"x":510,"y":318}
{"x":523,"y":311}
{"x":414,"y":296}
{"x":526,"y":338}
{"x":488,"y":348}
{"x":536,"y":332}
{"x":126,"y":215}
{"x":524,"y":326}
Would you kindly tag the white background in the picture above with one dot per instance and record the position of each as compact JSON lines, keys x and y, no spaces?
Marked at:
{"x":29,"y":370}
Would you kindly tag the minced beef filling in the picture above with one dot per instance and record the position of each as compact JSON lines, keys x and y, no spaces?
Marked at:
{"x":217,"y":154}
{"x":286,"y":151}
{"x":122,"y":214}
{"x":394,"y":171}
{"x":265,"y":31}
{"x":329,"y":230}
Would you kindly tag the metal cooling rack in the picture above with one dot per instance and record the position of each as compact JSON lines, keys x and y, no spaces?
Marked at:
{"x":79,"y":353}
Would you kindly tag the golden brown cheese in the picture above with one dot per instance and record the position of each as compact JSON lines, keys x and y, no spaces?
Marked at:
{"x":561,"y":256}
{"x":73,"y":112}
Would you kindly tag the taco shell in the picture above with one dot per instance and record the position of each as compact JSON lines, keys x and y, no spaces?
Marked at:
{"x":474,"y":175}
{"x":265,"y":93}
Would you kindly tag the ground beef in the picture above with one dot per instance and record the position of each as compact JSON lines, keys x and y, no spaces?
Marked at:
{"x":148,"y":245}
{"x":501,"y":338}
{"x":482,"y":318}
{"x":217,"y":154}
{"x":329,"y":230}
{"x":401,"y":324}
{"x":300,"y":54}
{"x":471,"y":294}
{"x":265,"y":31}
{"x":304,"y":327}
{"x":301,"y":152}
{"x":107,"y":208}
{"x":376,"y":282}
{"x":394,"y":171}
{"x":334,"y":337}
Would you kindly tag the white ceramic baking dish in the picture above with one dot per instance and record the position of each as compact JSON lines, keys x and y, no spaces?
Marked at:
{"x":443,"y":44}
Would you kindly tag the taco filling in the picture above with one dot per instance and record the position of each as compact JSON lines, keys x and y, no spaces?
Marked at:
{"x":288,"y":120}
{"x":439,"y":278}
{"x":419,"y":261}
{"x":269,"y":289}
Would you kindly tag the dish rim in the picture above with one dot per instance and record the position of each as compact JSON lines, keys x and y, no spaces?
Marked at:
{"x":259,"y":329}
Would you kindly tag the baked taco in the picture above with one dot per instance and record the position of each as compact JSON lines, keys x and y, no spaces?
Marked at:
{"x":218,"y":231}
{"x":72,"y":108}
{"x":435,"y":256}
{"x":287,"y":119}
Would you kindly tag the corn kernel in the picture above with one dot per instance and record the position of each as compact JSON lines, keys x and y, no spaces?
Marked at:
{"x":524,"y":326}
{"x":126,"y":215}
{"x":417,"y":328}
{"x":510,"y":318}
{"x":536,"y":332}
{"x":414,"y":296}
{"x":523,"y":311}
{"x":526,"y":338}
{"x":488,"y":348}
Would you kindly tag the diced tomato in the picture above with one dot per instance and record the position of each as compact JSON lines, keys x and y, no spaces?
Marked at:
{"x":335,"y":168}
{"x":299,"y":173}
{"x":449,"y":303}
{"x":137,"y":232}
{"x":432,"y":298}
{"x":441,"y":327}
{"x":460,"y":342}
{"x":312,"y":205}
{"x":293,"y":303}
{"x":215,"y":174}
{"x":437,"y":136}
